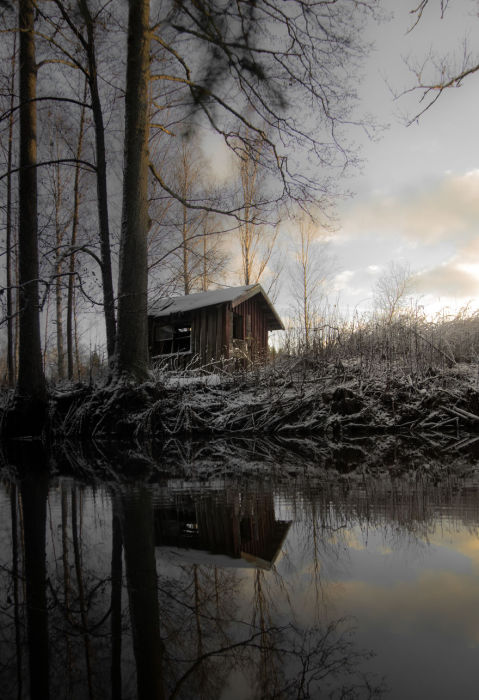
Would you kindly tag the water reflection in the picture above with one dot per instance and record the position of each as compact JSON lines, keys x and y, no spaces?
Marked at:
{"x":236,"y":591}
{"x":240,"y":525}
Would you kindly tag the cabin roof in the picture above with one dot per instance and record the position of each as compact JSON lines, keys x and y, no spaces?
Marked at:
{"x":163,"y":308}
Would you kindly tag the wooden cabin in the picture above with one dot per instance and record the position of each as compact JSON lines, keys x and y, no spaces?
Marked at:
{"x":224,"y":324}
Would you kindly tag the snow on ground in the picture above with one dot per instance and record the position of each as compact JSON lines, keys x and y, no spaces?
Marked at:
{"x":176,"y":381}
{"x":287,"y":420}
{"x":283,"y":422}
{"x":332,"y":401}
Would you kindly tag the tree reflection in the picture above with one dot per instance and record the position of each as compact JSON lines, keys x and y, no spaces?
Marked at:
{"x":116,"y":588}
{"x":141,"y":579}
{"x":34,"y":490}
{"x":176,"y":621}
{"x":218,"y":638}
{"x":16,"y":586}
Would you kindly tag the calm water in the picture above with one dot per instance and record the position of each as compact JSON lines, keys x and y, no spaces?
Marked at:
{"x":351,"y":588}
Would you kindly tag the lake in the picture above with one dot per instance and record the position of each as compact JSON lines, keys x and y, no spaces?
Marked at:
{"x":343,"y":585}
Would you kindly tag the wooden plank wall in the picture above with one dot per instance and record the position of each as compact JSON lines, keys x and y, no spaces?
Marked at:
{"x":228,"y":329}
{"x":255,"y":329}
{"x":208,"y":336}
{"x":195,"y":335}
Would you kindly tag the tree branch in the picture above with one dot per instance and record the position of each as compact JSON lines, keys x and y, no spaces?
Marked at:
{"x":69,"y":161}
{"x":6,"y":114}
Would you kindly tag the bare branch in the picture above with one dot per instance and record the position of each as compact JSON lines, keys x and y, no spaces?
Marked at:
{"x":187,"y":203}
{"x":71,"y":100}
{"x":69,"y":161}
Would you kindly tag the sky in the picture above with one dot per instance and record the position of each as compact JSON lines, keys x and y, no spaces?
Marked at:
{"x":416,"y":198}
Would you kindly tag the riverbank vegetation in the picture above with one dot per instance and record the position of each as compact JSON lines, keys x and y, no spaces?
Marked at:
{"x":411,"y":376}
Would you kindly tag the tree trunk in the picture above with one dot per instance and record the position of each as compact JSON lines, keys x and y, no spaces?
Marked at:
{"x":101,"y":182}
{"x":73,"y":239}
{"x":59,"y":230}
{"x":31,"y":385}
{"x":132,"y":339}
{"x":9,"y":232}
{"x":204,"y":276}
{"x":186,"y":261}
{"x":77,"y":339}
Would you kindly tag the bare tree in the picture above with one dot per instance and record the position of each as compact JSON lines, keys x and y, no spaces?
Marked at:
{"x":186,"y":175}
{"x":52,"y":50}
{"x":73,"y":242}
{"x":393,"y":289}
{"x":256,"y":239}
{"x":310,"y":269}
{"x":189,"y":224}
{"x":214,"y":257}
{"x":256,"y":68}
{"x":185,"y":245}
{"x":59,"y":185}
{"x":88,"y":45}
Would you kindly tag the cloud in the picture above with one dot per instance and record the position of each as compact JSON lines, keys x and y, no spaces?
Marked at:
{"x":442,"y":210}
{"x":433,"y":227}
{"x":451,"y":279}
{"x":342,"y":279}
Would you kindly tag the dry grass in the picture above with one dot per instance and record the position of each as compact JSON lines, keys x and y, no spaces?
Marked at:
{"x":410,"y":343}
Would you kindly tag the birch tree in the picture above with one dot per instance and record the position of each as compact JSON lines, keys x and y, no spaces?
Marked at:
{"x":257,"y":238}
{"x":191,"y":222}
{"x":309,"y":271}
{"x":185,"y":245}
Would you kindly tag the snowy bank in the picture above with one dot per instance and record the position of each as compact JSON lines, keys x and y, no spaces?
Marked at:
{"x":440,"y":407}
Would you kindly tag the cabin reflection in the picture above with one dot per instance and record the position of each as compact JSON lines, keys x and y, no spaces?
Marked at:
{"x":240,"y":526}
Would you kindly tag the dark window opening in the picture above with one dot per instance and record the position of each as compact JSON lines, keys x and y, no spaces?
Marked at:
{"x":238,"y":327}
{"x":170,"y":340}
